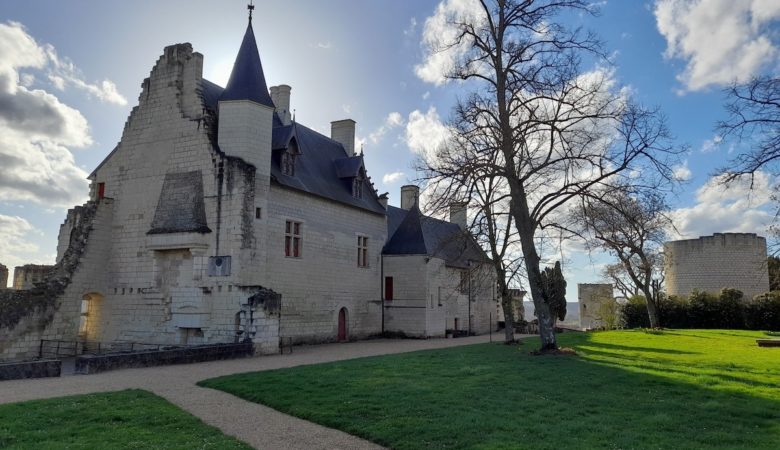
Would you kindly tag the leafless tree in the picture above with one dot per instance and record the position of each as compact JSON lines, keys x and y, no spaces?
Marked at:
{"x":553,"y":132}
{"x":633,"y":228}
{"x":458,"y":173}
{"x":754,"y":118}
{"x":617,"y":276}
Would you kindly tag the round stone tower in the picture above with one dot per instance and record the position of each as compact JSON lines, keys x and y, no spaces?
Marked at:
{"x":711,"y":263}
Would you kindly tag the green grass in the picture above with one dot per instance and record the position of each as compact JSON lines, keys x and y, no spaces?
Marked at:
{"x":126,"y":419}
{"x":626,"y":389}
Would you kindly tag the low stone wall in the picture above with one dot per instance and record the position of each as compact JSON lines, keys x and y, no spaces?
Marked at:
{"x":89,"y":364}
{"x":30,"y":369}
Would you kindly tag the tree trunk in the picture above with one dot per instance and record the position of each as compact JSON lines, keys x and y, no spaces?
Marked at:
{"x":652,"y":308}
{"x":509,"y":315}
{"x":526,"y":229}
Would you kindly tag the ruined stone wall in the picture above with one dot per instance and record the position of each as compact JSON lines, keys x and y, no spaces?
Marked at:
{"x":591,"y":298}
{"x":27,"y":275}
{"x":3,"y":276}
{"x":52,"y":309}
{"x":711,"y":263}
{"x":326,"y":277}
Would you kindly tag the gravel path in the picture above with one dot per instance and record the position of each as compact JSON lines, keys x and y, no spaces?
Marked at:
{"x":257,"y":425}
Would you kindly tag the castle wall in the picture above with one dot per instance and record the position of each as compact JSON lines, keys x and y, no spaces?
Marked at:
{"x":429,"y":297}
{"x":592,"y":298}
{"x":711,"y":263}
{"x":26,"y":276}
{"x":3,"y":276}
{"x":326,"y":277}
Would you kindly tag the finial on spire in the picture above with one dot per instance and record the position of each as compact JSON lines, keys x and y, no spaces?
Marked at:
{"x":361,"y":149}
{"x":293,"y":118}
{"x":251,"y":8}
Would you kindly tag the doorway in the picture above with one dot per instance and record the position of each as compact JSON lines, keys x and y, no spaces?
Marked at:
{"x":343,"y":325}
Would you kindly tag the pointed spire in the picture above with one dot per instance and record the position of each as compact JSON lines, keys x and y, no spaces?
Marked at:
{"x":247,"y":80}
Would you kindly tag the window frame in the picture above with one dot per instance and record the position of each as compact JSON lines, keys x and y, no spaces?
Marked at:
{"x":293,"y":238}
{"x":362,"y":252}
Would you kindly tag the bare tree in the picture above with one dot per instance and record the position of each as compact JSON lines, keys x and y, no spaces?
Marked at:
{"x":754,"y":118}
{"x":632,"y":228}
{"x":458,"y":173}
{"x":551,"y":131}
{"x":617,"y":275}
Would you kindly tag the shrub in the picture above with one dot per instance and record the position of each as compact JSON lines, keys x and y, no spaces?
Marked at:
{"x":704,"y":310}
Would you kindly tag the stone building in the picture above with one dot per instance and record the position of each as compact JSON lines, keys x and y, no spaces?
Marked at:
{"x":27,"y":275}
{"x":435,"y":276}
{"x":3,"y":276}
{"x":596,"y":300}
{"x":711,"y":263}
{"x":219,"y":218}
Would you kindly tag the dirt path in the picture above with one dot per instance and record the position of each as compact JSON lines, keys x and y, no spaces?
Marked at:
{"x":257,"y":425}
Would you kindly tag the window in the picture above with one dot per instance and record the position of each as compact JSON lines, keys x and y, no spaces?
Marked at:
{"x":388,"y":288}
{"x":357,"y":187}
{"x":362,"y":251}
{"x":83,"y":317}
{"x":258,"y":213}
{"x":101,"y":191}
{"x":292,"y":239}
{"x":288,"y":163}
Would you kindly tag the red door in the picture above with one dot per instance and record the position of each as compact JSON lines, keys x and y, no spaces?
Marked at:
{"x":343,"y":324}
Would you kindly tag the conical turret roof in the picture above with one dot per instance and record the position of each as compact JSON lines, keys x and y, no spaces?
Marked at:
{"x":247,"y":80}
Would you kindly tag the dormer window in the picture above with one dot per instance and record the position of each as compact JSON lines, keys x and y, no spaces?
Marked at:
{"x":288,"y":158}
{"x":288,"y":163}
{"x":357,"y":187}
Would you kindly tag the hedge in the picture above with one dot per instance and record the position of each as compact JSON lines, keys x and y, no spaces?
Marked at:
{"x":704,"y":310}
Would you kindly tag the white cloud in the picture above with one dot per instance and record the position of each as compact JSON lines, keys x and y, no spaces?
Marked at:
{"x":409,"y":31}
{"x":63,"y":72}
{"x":324,"y":45}
{"x":393,"y":120}
{"x":711,"y":145}
{"x":425,"y":132}
{"x":439,"y":32}
{"x":18,"y":244}
{"x":733,"y":207}
{"x":682,"y":172}
{"x":392,"y":177}
{"x":426,"y":95}
{"x":36,"y":130}
{"x":720,"y":40}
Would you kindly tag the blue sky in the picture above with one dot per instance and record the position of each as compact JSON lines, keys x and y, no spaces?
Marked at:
{"x":351,"y":59}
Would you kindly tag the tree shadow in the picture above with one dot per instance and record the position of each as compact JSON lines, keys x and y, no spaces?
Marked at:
{"x":591,"y":343}
{"x":494,"y":396}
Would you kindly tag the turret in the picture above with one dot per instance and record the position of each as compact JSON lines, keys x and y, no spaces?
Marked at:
{"x":246,"y":110}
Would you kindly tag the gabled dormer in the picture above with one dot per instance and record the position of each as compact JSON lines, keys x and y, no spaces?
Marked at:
{"x":289,"y":157}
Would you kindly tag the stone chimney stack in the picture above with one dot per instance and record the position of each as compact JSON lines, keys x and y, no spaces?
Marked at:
{"x":383,"y":200}
{"x":343,"y":131}
{"x":410,"y":196}
{"x":281,"y":98}
{"x":458,"y":214}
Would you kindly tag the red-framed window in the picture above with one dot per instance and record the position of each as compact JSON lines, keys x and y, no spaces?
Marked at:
{"x":388,"y":288}
{"x":292,"y":239}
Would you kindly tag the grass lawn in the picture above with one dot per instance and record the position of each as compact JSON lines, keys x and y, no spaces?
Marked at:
{"x":626,"y":389}
{"x":126,"y":419}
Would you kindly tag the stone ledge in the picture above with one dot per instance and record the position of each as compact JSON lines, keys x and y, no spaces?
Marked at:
{"x":30,"y":369}
{"x":89,"y":364}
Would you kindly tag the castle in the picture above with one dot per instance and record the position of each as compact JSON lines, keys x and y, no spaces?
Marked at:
{"x":219,"y":218}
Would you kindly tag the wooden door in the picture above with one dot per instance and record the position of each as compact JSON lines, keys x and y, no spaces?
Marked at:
{"x":343,"y":325}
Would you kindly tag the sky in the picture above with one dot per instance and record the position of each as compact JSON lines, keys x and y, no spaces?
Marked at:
{"x":70,"y":72}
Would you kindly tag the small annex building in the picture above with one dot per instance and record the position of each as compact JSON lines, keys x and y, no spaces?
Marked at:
{"x":219,"y":218}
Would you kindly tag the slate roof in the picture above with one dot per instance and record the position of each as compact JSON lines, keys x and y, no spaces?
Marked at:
{"x":413,"y":233}
{"x":349,"y":167}
{"x":247,"y":80}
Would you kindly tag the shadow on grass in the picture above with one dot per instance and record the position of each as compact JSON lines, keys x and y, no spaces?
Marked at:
{"x":496,"y":396}
{"x":668,"y":351}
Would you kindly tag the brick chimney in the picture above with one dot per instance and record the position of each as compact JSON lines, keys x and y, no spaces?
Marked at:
{"x":343,"y":131}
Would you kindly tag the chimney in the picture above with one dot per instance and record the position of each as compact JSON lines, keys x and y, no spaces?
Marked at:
{"x":383,"y":200}
{"x":343,"y":131}
{"x":281,"y":98}
{"x":458,"y":214}
{"x":410,"y":196}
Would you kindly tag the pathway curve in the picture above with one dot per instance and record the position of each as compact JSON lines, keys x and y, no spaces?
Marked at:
{"x":255,"y":424}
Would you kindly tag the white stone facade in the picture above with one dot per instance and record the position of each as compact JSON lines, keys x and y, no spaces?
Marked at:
{"x":711,"y":263}
{"x":594,"y":299}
